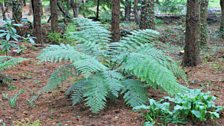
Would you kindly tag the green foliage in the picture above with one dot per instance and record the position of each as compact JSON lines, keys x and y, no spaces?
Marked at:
{"x":10,"y":32}
{"x":55,"y":37}
{"x":172,"y":6}
{"x":194,"y":105}
{"x":8,"y":62}
{"x":12,"y":100}
{"x":11,"y":38}
{"x":90,"y":36}
{"x":105,"y":69}
{"x":135,"y":93}
{"x":59,"y":76}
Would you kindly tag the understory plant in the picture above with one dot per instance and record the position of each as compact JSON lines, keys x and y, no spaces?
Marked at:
{"x":105,"y":69}
{"x":9,"y":37}
{"x":5,"y":63}
{"x":8,"y":62}
{"x":194,"y":105}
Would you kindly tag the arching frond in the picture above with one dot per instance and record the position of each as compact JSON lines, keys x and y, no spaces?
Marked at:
{"x":8,"y":62}
{"x":135,"y":93}
{"x":59,"y":76}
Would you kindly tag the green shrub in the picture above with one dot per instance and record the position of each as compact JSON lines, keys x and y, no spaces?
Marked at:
{"x":104,"y":69}
{"x":194,"y":105}
{"x":55,"y":37}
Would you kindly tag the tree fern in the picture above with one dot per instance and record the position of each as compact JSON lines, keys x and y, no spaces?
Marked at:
{"x":135,"y":93}
{"x":133,"y":56}
{"x":85,"y":64}
{"x":95,"y":89}
{"x":91,"y":37}
{"x":146,"y":68}
{"x":8,"y":62}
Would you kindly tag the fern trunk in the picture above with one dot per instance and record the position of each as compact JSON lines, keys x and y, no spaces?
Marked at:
{"x":192,"y":39}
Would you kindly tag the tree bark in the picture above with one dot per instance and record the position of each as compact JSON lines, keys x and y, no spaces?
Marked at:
{"x":75,"y":7}
{"x":54,"y":15}
{"x":204,"y":23}
{"x":37,"y":8}
{"x":97,"y":9}
{"x":127,"y":10}
{"x":3,"y":11}
{"x":17,"y":7}
{"x":115,"y":20}
{"x":192,"y":36}
{"x":147,"y":15}
{"x":222,"y":18}
{"x":137,"y":19}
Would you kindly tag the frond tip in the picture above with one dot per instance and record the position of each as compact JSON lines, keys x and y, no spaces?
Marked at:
{"x":8,"y":62}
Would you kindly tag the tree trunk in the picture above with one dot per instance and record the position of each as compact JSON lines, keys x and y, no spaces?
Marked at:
{"x":147,"y":15}
{"x":192,"y":38}
{"x":30,"y":9}
{"x":222,"y":18}
{"x":97,"y":9}
{"x":75,"y":7}
{"x":3,"y":11}
{"x":24,"y":2}
{"x":204,"y":23}
{"x":37,"y":8}
{"x":54,"y":15}
{"x":17,"y":8}
{"x":127,"y":10}
{"x":137,"y":19}
{"x":115,"y":20}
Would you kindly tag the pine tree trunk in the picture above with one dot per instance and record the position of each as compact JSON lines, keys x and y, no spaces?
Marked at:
{"x":37,"y":9}
{"x":222,"y":18}
{"x":192,"y":38}
{"x":137,"y":20}
{"x":115,"y":20}
{"x":147,"y":15}
{"x":204,"y":23}
{"x":127,"y":10}
{"x":3,"y":11}
{"x":54,"y":15}
{"x":75,"y":7}
{"x":17,"y":7}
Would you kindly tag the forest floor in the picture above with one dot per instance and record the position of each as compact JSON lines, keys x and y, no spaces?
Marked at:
{"x":55,"y":109}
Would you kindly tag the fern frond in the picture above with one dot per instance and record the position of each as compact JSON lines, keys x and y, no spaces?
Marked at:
{"x":59,"y":76}
{"x":58,"y":53}
{"x":135,"y":93}
{"x":148,"y":69}
{"x":77,"y":91}
{"x":8,"y":62}
{"x":95,"y":93}
{"x":113,"y":80}
{"x":91,"y":37}
{"x":85,"y":64}
{"x":158,"y":55}
{"x":132,"y":42}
